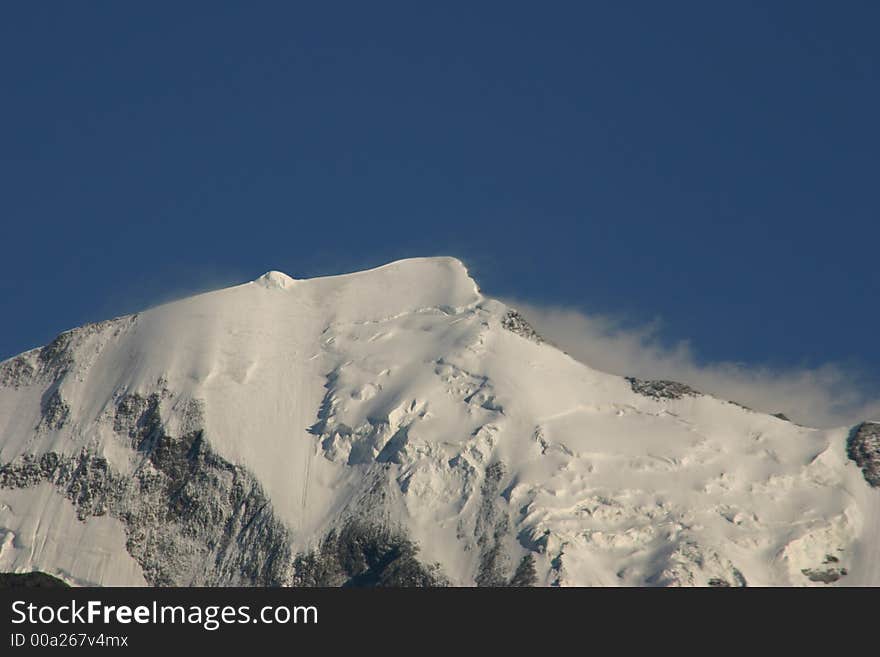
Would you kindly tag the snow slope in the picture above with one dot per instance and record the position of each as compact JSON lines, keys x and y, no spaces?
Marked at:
{"x":252,"y":421}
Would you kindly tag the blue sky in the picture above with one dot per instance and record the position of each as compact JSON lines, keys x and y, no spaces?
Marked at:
{"x":713,"y":165}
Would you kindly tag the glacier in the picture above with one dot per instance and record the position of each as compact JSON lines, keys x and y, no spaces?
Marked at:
{"x":397,"y":427}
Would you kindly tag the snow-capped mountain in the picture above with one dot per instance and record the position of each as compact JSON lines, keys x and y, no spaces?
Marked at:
{"x":396,"y":427}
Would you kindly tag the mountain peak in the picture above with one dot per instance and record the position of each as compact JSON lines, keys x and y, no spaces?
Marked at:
{"x":393,"y":410}
{"x":427,"y":270}
{"x":275,"y":279}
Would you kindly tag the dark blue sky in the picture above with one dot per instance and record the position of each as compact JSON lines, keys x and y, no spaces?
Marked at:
{"x":712,"y":164}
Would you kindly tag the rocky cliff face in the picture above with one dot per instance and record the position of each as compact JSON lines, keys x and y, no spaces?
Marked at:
{"x":863,"y":447}
{"x":192,"y":518}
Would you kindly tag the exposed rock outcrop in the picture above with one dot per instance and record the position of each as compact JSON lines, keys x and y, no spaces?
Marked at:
{"x":863,"y":447}
{"x":516,"y":323}
{"x":660,"y":389}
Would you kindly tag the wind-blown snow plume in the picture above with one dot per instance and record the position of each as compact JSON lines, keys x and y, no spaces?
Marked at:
{"x":827,"y":396}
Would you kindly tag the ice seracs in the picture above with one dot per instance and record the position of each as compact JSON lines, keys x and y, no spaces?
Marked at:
{"x":394,"y":426}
